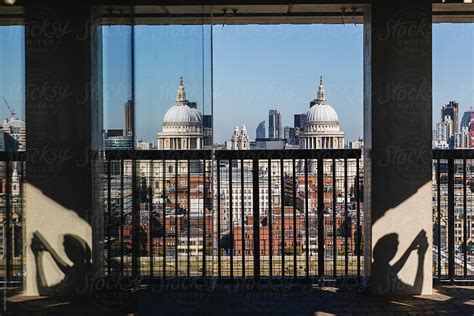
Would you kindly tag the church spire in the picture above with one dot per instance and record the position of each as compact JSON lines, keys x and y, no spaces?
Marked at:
{"x":320,"y":97}
{"x":181,"y":96}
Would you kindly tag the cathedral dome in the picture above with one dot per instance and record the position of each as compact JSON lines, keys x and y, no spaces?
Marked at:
{"x":182,"y":125}
{"x":181,"y":112}
{"x":321,"y":112}
{"x":322,"y":129}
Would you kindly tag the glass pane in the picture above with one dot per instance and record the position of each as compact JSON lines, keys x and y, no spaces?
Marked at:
{"x":12,"y":138}
{"x":173,"y":80}
{"x":118,"y":104}
{"x":12,"y":88}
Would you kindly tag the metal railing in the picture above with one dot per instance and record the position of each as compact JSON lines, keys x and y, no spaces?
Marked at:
{"x":240,"y":214}
{"x":233,"y":214}
{"x":12,"y":178}
{"x":453,"y":215}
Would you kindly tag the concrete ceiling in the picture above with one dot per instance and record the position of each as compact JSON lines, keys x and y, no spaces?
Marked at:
{"x":300,"y":12}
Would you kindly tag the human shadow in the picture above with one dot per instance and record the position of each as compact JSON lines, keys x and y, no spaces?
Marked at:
{"x":78,"y":252}
{"x":385,"y":276}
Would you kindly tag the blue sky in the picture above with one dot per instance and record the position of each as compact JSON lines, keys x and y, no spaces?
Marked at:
{"x":256,"y":68}
{"x":12,"y":79}
{"x":453,"y":66}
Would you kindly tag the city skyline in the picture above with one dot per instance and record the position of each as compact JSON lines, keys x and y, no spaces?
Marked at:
{"x":240,"y":91}
{"x":152,"y":103}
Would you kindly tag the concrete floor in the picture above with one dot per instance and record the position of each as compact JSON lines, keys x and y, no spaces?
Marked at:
{"x":303,"y":300}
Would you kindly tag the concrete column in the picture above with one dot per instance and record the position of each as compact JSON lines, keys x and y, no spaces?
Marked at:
{"x":60,"y":132}
{"x":397,"y":134}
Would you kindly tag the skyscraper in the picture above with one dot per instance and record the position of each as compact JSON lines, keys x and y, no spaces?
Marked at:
{"x":467,"y":125}
{"x":300,"y":120}
{"x":466,"y":119}
{"x":274,"y":124}
{"x":443,"y":134}
{"x":129,"y":119}
{"x":260,"y":132}
{"x":452,"y":110}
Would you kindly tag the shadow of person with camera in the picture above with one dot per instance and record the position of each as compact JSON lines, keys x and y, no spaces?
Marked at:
{"x":386,"y":274}
{"x":78,"y":252}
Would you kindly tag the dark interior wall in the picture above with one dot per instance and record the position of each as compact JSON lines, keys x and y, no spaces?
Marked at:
{"x":58,"y":103}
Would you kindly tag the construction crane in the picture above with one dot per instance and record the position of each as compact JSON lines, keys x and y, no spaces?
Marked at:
{"x":8,"y":106}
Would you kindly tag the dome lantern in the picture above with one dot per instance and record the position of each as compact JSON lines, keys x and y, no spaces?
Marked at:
{"x":321,"y":112}
{"x":181,"y":95}
{"x":320,"y":99}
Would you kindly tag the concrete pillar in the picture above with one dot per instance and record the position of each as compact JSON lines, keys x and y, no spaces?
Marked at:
{"x":60,"y":134}
{"x":397,"y":134}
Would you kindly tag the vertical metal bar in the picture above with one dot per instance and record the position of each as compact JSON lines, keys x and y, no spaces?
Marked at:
{"x":22,"y":205}
{"x":204,"y":253}
{"x":122,"y":216}
{"x":357,"y":188}
{"x":282,"y":222}
{"x":295,"y":271}
{"x":135,"y":193}
{"x":320,"y":218}
{"x":135,"y":222}
{"x":164,"y":217}
{"x":306,"y":209}
{"x":270,"y":213}
{"x":242,"y":213}
{"x":150,"y":219}
{"x":334,"y":219}
{"x":256,"y":220}
{"x":451,"y":219}
{"x":346,"y":223}
{"x":231,"y":220}
{"x":188,"y":200}
{"x":219,"y":259}
{"x":464,"y":184}
{"x":176,"y":206}
{"x":438,"y":192}
{"x":107,"y":217}
{"x":8,"y":235}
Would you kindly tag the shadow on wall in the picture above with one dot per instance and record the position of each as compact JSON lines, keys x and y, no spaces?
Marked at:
{"x":387,"y":279}
{"x":78,"y":252}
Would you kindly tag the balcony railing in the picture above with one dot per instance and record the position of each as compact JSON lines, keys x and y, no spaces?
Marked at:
{"x":12,"y":170}
{"x":234,"y":214}
{"x":237,"y":214}
{"x":453,"y":216}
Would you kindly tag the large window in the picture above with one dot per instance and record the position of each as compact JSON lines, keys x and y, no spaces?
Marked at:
{"x":12,"y":139}
{"x":187,"y":85}
{"x":453,"y":128}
